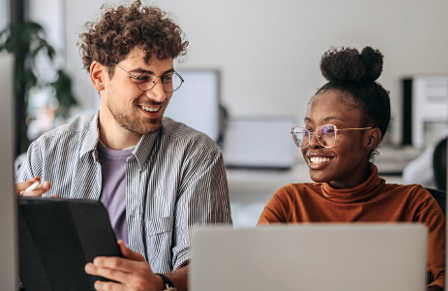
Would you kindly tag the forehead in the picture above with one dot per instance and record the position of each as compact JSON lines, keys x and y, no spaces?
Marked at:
{"x":136,"y":56}
{"x":332,"y":107}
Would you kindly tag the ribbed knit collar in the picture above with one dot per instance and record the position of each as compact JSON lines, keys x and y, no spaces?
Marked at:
{"x":363,"y":192}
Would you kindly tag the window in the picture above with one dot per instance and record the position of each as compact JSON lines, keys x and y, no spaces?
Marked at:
{"x":4,"y":13}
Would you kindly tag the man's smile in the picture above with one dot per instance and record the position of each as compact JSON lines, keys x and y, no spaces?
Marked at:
{"x":151,"y":109}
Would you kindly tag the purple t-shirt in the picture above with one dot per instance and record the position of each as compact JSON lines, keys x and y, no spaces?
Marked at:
{"x":113,"y":194}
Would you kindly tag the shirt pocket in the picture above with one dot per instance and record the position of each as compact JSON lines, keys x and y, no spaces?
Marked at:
{"x":159,"y":240}
{"x":159,"y":226}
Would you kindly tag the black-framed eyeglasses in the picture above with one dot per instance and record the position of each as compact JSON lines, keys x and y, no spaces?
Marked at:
{"x":326,"y":135}
{"x":146,"y":81}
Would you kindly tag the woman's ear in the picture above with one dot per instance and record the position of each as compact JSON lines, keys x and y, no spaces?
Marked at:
{"x":372,"y":138}
{"x":98,"y":74}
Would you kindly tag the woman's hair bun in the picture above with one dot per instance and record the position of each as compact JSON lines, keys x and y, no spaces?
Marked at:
{"x":347,"y":64}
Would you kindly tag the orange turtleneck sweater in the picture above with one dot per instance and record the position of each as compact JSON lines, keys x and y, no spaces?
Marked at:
{"x":371,"y":201}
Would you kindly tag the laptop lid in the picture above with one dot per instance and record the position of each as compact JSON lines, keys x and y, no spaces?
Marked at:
{"x":8,"y":221}
{"x":338,"y":257}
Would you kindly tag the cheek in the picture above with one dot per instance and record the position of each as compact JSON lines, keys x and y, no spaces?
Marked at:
{"x":349,"y":148}
{"x":168,"y":98}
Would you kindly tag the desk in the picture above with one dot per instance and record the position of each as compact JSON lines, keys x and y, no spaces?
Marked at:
{"x":250,"y":190}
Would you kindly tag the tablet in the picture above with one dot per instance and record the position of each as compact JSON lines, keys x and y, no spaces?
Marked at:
{"x":57,"y":237}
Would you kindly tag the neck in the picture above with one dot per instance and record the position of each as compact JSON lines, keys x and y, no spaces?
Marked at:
{"x":112,"y":135}
{"x":353,"y":180}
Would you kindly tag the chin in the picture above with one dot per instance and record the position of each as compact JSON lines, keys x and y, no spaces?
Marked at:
{"x":318,"y":176}
{"x":142,"y":128}
{"x":152,"y":127}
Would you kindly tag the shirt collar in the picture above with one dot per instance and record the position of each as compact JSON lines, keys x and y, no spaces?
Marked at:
{"x":363,"y":192}
{"x":92,"y":137}
{"x":142,"y":149}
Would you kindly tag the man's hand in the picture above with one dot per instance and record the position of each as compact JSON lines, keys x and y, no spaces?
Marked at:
{"x":130,"y":273}
{"x":38,"y":191}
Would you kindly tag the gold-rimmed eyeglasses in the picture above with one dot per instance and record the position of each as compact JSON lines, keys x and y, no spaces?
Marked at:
{"x":146,"y":80}
{"x":326,"y":135}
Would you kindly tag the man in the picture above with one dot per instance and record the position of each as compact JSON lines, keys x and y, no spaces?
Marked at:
{"x":156,"y":177}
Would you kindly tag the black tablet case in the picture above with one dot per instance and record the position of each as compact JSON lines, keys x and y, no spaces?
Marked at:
{"x":57,"y":237}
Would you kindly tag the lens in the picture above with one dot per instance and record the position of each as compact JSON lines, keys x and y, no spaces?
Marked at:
{"x":305,"y":138}
{"x":327,"y":135}
{"x":297,"y":137}
{"x":171,"y":82}
{"x":301,"y":137}
{"x":146,"y":81}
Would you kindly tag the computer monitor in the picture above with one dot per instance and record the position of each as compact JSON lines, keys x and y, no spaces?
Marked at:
{"x":197,"y":102}
{"x":425,"y":109}
{"x":8,"y":221}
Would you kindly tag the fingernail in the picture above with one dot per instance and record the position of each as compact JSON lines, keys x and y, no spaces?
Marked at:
{"x":88,"y":268}
{"x":46,"y":185}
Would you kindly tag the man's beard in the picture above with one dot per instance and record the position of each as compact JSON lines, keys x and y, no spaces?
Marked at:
{"x":127,"y":121}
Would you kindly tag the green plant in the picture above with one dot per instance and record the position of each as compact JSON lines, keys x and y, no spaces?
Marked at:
{"x":27,"y":41}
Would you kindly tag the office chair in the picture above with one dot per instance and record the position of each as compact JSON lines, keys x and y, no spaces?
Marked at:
{"x":439,"y":164}
{"x":440,"y":197}
{"x":439,"y":160}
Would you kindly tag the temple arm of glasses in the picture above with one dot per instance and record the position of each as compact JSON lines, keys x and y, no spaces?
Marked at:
{"x":339,"y":129}
{"x":354,"y":128}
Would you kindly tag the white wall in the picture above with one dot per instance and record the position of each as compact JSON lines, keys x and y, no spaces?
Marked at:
{"x":269,"y":51}
{"x":50,"y":14}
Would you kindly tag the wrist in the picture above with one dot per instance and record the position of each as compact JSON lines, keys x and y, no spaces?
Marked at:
{"x":158,"y":284}
{"x":166,"y":282}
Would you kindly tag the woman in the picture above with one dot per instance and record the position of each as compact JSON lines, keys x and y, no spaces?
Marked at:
{"x":344,"y":124}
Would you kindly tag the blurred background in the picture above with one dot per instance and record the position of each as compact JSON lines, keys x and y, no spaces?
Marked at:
{"x":260,"y":60}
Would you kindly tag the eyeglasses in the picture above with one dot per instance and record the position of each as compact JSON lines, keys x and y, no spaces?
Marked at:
{"x":146,"y":81}
{"x":326,"y":135}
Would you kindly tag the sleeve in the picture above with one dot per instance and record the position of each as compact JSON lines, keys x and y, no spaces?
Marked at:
{"x":430,"y":214}
{"x":276,"y":209}
{"x":203,"y":199}
{"x":32,"y":165}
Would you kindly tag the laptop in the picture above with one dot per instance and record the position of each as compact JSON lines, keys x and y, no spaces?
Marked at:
{"x":57,"y":237}
{"x":318,"y":257}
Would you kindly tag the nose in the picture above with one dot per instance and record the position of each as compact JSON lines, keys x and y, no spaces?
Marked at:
{"x":157,"y":93}
{"x":314,"y":141}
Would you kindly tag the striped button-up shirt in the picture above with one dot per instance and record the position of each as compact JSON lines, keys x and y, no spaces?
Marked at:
{"x":175,"y":179}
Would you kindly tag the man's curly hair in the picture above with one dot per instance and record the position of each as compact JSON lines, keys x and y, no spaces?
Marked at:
{"x":109,"y":40}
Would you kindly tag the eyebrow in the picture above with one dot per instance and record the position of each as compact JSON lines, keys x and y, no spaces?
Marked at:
{"x":326,"y":119}
{"x":333,"y":118}
{"x":142,"y":71}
